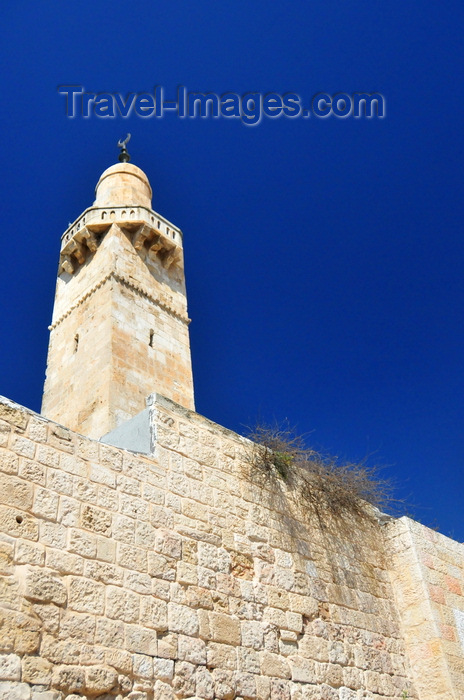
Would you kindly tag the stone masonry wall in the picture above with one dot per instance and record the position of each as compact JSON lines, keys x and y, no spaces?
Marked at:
{"x":428,"y":580}
{"x":177,"y":576}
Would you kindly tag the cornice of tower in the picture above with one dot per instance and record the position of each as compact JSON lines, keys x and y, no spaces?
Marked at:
{"x":122,"y":279}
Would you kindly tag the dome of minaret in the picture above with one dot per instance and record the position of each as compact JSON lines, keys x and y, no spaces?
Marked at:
{"x":123,"y":184}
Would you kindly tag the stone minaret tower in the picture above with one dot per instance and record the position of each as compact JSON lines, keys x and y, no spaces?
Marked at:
{"x":120,"y":327}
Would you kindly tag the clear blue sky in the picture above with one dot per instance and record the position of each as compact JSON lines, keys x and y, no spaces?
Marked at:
{"x":324,"y":258}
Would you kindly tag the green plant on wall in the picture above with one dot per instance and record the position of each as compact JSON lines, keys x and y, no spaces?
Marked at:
{"x":320,"y":481}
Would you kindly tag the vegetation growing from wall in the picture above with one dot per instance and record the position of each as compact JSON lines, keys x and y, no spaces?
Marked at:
{"x":322,"y":483}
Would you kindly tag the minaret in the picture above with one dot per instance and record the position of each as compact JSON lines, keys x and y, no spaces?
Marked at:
{"x":120,"y":327}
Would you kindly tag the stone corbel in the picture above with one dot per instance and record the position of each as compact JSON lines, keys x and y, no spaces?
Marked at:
{"x":66,"y":264}
{"x":90,"y":240}
{"x":171,"y":257}
{"x":77,"y":250}
{"x":157,"y":244}
{"x":140,"y":236}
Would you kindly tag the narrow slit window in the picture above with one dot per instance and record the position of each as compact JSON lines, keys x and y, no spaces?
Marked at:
{"x":152,"y":335}
{"x":76,"y":342}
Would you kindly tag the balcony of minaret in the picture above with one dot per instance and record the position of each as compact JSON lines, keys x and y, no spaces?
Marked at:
{"x":147,"y":230}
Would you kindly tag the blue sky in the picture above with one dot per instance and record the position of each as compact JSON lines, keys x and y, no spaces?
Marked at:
{"x":324,"y":257}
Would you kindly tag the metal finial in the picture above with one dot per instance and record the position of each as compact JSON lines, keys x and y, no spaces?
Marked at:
{"x":124,"y":156}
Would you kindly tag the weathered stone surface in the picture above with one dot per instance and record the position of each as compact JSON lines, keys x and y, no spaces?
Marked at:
{"x":41,"y":585}
{"x":140,"y":640}
{"x":36,"y":670}
{"x":10,"y":667}
{"x":86,"y":595}
{"x":232,"y":605}
{"x":182,"y":619}
{"x":100,"y":679}
{"x":224,"y":628}
{"x":11,"y":690}
{"x":69,"y":678}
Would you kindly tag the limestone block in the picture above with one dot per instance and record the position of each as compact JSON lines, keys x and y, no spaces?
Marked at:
{"x":41,"y":585}
{"x":134,"y":507}
{"x":305,"y":605}
{"x":214,"y":558}
{"x":83,"y":543}
{"x":11,"y":690}
{"x":303,"y":670}
{"x":222,"y":656}
{"x":242,"y":565}
{"x":162,"y":691}
{"x":77,"y":626}
{"x":280,"y":689}
{"x":160,"y":566}
{"x":248,"y":660}
{"x":86,"y":595}
{"x":245,"y":685}
{"x":52,"y":534}
{"x":60,"y":482}
{"x":161,"y":517}
{"x":15,"y":416}
{"x":69,"y":678}
{"x":23,"y":447}
{"x":140,"y":640}
{"x":167,"y":646}
{"x":102,"y":475}
{"x":47,"y":456}
{"x":169,"y":544}
{"x":204,"y":683}
{"x":252,"y":634}
{"x":15,"y":492}
{"x":224,"y":628}
{"x":10,"y":667}
{"x":106,"y":550}
{"x":132,"y":557}
{"x":45,"y":504}
{"x":224,"y":684}
{"x":100,"y":679}
{"x":154,"y":613}
{"x":6,"y":558}
{"x":142,"y":666}
{"x":138,"y":582}
{"x":109,"y":633}
{"x":74,"y":465}
{"x":274,"y":665}
{"x":263,"y":687}
{"x":183,"y":682}
{"x":187,"y":573}
{"x":206,"y":578}
{"x":124,"y":529}
{"x":163,"y":669}
{"x":182,"y":619}
{"x":49,"y":616}
{"x":36,"y":670}
{"x":145,"y":535}
{"x":95,"y":519}
{"x":49,"y":695}
{"x":191,"y":649}
{"x":9,"y":462}
{"x":122,"y":661}
{"x":275,"y":617}
{"x":122,"y":605}
{"x":295,"y":622}
{"x":31,"y":471}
